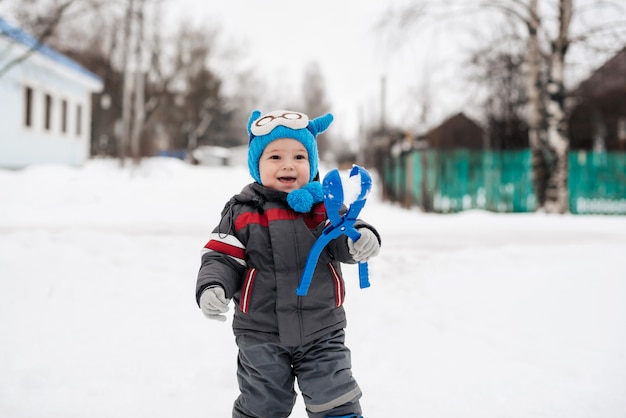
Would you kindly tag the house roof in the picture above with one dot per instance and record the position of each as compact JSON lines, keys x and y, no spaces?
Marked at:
{"x":458,"y":131}
{"x":29,"y":41}
{"x":609,"y":77}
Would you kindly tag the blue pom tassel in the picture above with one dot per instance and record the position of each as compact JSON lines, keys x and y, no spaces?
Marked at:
{"x":316,"y":190}
{"x":302,"y":200}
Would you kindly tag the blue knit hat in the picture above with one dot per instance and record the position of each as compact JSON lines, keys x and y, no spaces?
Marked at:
{"x":279,"y":124}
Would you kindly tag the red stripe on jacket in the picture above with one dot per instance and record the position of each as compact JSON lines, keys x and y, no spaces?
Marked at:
{"x":312,"y":219}
{"x":227,"y":249}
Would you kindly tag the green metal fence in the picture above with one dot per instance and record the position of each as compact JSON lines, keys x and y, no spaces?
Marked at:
{"x":500,"y":181}
{"x":597,"y":182}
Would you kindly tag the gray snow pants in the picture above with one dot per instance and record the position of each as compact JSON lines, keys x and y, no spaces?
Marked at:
{"x":266,"y":372}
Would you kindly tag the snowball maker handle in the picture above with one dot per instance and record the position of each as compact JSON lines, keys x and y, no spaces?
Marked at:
{"x":334,"y":196}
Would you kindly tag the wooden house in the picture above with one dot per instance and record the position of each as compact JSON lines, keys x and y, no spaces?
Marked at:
{"x":598,"y":120}
{"x":456,"y":132}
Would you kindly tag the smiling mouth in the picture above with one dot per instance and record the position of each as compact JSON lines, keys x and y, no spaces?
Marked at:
{"x":287,"y":179}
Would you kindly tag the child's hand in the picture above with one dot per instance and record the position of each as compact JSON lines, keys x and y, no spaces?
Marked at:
{"x":365,"y":247}
{"x":213,"y":302}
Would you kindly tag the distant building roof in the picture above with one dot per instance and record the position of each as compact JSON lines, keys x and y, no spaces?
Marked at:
{"x":458,"y":131}
{"x":29,"y":41}
{"x":608,"y":78}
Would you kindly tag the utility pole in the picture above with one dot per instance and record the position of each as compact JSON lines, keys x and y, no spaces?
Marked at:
{"x":127,"y":85}
{"x":383,"y":105}
{"x":139,"y":78}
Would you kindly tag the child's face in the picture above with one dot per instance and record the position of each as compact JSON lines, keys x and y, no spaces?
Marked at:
{"x":284,"y":165}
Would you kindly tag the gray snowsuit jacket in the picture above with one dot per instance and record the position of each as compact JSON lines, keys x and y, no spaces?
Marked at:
{"x":258,"y":252}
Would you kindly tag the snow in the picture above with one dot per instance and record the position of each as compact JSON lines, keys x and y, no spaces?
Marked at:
{"x":469,"y":315}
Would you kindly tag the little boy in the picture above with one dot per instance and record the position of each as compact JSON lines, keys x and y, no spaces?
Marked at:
{"x":256,"y":256}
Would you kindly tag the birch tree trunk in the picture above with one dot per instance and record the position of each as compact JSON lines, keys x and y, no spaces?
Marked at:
{"x":547,"y":123}
{"x":536,"y":137}
{"x":556,"y":199}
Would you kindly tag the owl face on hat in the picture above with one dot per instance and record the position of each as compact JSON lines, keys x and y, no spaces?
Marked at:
{"x":266,"y":123}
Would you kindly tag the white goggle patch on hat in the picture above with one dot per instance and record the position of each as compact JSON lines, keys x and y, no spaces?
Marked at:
{"x":266,"y":123}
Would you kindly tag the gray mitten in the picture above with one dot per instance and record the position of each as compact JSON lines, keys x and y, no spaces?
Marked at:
{"x":365,"y":247}
{"x":213,"y":302}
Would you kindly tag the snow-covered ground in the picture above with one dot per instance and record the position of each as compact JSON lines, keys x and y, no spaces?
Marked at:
{"x":469,"y":315}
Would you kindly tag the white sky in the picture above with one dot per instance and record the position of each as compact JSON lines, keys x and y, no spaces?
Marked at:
{"x":280,"y":38}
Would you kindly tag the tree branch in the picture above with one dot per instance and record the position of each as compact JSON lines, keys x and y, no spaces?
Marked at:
{"x":49,"y":28}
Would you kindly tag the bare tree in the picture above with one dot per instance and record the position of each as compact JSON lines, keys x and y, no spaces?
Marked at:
{"x":550,"y":36}
{"x":195,"y":112}
{"x":500,"y":69}
{"x":547,"y":125}
{"x":547,"y":28}
{"x":159,"y":90}
{"x":556,"y":195}
{"x":42,"y":26}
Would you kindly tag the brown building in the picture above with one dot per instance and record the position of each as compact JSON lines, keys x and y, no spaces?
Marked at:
{"x":598,"y":120}
{"x":456,"y":132}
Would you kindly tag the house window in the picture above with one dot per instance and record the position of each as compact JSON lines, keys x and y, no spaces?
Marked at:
{"x":28,"y":107}
{"x":63,"y":116}
{"x":48,"y":112}
{"x":79,"y":118}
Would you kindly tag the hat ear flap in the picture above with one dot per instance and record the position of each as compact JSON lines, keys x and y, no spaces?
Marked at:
{"x":319,"y":125}
{"x":254,"y":116}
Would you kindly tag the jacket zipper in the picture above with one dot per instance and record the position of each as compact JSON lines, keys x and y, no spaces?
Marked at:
{"x":339,"y":293}
{"x":247,"y":291}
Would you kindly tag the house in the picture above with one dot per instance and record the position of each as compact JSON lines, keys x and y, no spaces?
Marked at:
{"x":45,"y":103}
{"x":456,"y":132}
{"x":598,"y":120}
